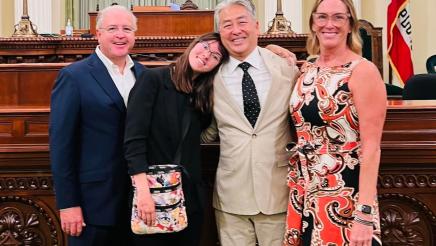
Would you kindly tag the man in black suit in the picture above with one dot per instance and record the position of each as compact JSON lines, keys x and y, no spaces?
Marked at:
{"x":88,"y":107}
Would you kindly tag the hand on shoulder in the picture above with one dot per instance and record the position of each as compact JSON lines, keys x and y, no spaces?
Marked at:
{"x":290,"y":57}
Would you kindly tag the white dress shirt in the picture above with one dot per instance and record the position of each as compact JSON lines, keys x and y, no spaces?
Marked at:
{"x":123,"y":81}
{"x":232,"y":76}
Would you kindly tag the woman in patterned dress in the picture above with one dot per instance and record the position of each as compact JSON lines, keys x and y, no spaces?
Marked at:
{"x":338,"y":107}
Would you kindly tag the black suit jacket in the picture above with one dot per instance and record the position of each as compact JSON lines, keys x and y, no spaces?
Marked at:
{"x":154,"y":128}
{"x":86,"y":141}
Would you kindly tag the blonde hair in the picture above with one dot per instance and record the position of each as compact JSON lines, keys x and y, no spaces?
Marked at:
{"x":354,"y":42}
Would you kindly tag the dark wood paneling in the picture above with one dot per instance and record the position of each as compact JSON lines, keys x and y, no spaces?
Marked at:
{"x":168,"y":23}
{"x":27,"y":84}
{"x":407,"y":179}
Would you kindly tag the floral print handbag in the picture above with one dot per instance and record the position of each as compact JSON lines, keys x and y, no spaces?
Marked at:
{"x":165,"y":182}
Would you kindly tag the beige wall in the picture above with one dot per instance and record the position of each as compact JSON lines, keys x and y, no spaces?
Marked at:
{"x":7,"y":18}
{"x":375,"y":11}
{"x":260,"y":5}
{"x":307,"y":7}
{"x":423,"y":32}
{"x":58,"y":22}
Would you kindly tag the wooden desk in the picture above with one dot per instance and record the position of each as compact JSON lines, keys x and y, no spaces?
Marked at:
{"x":168,"y":23}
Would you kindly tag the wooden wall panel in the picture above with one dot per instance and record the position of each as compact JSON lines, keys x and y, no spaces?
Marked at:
{"x":168,"y":23}
{"x":5,"y":128}
{"x":31,"y":84}
{"x":24,"y":126}
{"x":8,"y":88}
{"x":27,"y":84}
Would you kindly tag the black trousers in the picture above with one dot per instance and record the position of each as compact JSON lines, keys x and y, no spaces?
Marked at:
{"x":93,"y":235}
{"x":190,"y":236}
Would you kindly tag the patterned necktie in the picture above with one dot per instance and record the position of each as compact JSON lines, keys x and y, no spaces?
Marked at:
{"x":249,"y":94}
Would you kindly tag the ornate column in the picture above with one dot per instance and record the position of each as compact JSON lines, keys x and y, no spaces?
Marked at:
{"x":280,"y":25}
{"x":39,"y":10}
{"x":25,"y":28}
{"x":291,"y":10}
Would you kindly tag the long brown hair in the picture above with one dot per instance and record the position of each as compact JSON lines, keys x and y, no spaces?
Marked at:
{"x":201,"y":88}
{"x":354,"y":42}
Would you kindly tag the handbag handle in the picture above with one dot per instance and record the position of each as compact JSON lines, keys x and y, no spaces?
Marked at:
{"x":185,"y":127}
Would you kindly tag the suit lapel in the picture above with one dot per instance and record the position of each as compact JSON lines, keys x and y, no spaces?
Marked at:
{"x":273,"y":90}
{"x":101,"y":75}
{"x":221,"y":87}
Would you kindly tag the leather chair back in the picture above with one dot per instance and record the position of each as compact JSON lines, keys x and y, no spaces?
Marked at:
{"x":420,"y":87}
{"x":431,"y":64}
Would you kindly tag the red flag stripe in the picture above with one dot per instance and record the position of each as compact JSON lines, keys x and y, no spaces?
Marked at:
{"x":394,"y":9}
{"x":401,"y":52}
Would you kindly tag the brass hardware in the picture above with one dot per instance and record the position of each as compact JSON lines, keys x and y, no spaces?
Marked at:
{"x":279,"y":25}
{"x":25,"y":28}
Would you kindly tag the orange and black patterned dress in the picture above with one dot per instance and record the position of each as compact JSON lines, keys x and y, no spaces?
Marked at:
{"x":324,"y":171}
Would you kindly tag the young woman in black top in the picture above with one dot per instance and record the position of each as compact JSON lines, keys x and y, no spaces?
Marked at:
{"x":153,"y":132}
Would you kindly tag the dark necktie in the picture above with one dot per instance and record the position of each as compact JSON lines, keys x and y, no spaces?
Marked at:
{"x":249,"y":95}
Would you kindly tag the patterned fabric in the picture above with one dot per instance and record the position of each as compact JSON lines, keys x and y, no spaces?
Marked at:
{"x":249,"y":94}
{"x":165,"y":186}
{"x":324,"y":171}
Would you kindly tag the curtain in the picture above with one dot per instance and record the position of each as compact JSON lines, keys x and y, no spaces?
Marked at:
{"x":78,"y":9}
{"x":69,"y":13}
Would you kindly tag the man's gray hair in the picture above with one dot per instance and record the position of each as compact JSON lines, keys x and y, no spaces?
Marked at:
{"x":103,"y":13}
{"x":247,"y":4}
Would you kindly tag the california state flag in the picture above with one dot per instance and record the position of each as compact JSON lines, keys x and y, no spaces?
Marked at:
{"x":399,"y":39}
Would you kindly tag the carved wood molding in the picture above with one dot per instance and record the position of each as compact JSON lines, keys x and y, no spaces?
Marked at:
{"x":147,"y":48}
{"x":23,"y":221}
{"x":26,"y":183}
{"x":406,"y":221}
{"x":388,"y":181}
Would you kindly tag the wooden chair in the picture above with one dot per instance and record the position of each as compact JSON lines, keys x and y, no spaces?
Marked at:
{"x":372,"y":43}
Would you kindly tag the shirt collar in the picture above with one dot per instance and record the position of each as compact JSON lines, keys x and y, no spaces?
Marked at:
{"x":109,"y":64}
{"x":253,"y":58}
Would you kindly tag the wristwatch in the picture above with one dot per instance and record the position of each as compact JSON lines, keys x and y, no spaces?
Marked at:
{"x":366,"y":209}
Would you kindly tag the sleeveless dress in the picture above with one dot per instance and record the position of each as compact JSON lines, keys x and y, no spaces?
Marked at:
{"x":324,"y":169}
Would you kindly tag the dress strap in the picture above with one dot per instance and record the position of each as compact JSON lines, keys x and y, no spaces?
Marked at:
{"x":356,"y":62}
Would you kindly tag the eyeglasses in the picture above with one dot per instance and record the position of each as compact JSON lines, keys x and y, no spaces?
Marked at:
{"x":215,"y":55}
{"x":114,"y":29}
{"x":338,"y":20}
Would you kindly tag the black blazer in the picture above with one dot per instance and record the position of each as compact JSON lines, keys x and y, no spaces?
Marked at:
{"x":154,"y":128}
{"x":86,"y":140}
